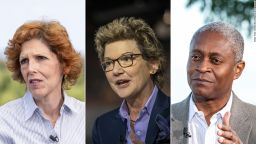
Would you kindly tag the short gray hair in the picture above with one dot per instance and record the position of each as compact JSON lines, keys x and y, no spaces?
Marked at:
{"x":130,"y":28}
{"x":229,"y":32}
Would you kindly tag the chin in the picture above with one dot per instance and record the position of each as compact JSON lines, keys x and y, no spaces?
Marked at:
{"x":37,"y":93}
{"x":203,"y":93}
{"x":122,"y":94}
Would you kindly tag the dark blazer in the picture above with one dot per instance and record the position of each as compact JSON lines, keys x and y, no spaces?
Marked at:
{"x":109,"y":128}
{"x":242,"y":121}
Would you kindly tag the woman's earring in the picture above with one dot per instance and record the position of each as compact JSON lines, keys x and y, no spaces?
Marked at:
{"x":153,"y":72}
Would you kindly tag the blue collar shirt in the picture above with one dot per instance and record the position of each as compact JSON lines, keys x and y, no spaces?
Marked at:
{"x":141,"y":124}
{"x":22,"y":121}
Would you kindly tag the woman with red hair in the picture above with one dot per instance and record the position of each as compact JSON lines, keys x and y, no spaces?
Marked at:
{"x":41,"y":56}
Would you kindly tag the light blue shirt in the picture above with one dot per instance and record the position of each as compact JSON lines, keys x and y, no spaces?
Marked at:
{"x":141,"y":124}
{"x":21,"y":122}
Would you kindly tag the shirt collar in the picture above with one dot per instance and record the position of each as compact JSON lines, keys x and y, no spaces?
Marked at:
{"x":70,"y":104}
{"x":30,"y":106}
{"x":193,"y":109}
{"x":124,"y":112}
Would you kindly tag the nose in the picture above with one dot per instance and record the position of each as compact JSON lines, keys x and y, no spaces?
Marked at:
{"x":32,"y":66}
{"x":117,"y":70}
{"x":203,"y":66}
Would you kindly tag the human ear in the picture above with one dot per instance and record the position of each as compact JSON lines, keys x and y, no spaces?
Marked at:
{"x":239,"y":69}
{"x":66,"y":70}
{"x":154,"y":66}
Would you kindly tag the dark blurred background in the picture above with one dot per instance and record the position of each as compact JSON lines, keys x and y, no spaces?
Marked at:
{"x":99,"y":96}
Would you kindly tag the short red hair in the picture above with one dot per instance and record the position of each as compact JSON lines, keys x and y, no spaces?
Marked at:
{"x":55,"y":36}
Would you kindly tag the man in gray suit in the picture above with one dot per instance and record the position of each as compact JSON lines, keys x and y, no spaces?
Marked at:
{"x":212,"y":113}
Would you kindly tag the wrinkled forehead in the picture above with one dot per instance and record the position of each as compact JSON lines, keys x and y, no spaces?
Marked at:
{"x":35,"y":47}
{"x":208,"y":38}
{"x":117,"y":48}
{"x":211,"y":42}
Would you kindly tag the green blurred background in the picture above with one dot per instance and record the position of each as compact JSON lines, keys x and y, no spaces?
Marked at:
{"x":10,"y":89}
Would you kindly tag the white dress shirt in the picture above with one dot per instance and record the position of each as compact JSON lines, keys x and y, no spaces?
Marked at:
{"x":21,"y":122}
{"x":200,"y":132}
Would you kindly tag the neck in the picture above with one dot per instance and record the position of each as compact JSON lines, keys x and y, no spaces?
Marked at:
{"x":210,"y":106}
{"x":51,"y":105}
{"x":136,"y":103}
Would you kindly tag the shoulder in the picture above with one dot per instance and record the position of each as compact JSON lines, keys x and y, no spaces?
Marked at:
{"x":180,"y":110}
{"x":108,"y":128}
{"x":110,"y":120}
{"x":10,"y":115}
{"x":249,"y":109}
{"x":76,"y":101}
{"x":180,"y":105}
{"x":109,"y":116}
{"x":241,"y":107}
{"x":12,"y":108}
{"x":162,"y":95}
{"x":162,"y":99}
{"x":76,"y":104}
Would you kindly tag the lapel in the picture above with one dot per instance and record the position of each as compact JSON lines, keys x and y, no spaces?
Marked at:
{"x":239,"y":120}
{"x":161,"y":106}
{"x":119,"y":129}
{"x":180,"y":112}
{"x":109,"y":129}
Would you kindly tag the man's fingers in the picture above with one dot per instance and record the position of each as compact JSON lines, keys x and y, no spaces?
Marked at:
{"x":226,"y":137}
{"x":224,"y":127}
{"x":222,"y":140}
{"x":226,"y":134}
{"x":226,"y":118}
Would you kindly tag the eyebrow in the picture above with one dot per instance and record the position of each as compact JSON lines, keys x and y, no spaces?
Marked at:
{"x":211,"y":53}
{"x":25,"y":56}
{"x":126,"y":53}
{"x":22,"y":56}
{"x":107,"y":58}
{"x":195,"y":51}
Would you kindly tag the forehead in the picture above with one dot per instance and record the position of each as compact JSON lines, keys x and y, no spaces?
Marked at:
{"x":35,"y":46}
{"x":117,"y":48}
{"x":211,"y":42}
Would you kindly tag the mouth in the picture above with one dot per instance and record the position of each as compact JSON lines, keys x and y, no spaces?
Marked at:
{"x":122,"y":83}
{"x":202,"y":80}
{"x":34,"y":81}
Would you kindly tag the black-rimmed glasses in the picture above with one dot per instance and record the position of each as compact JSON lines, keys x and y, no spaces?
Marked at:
{"x":125,"y":60}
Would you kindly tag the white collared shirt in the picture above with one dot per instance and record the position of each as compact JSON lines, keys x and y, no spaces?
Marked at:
{"x":200,"y":132}
{"x":21,"y":121}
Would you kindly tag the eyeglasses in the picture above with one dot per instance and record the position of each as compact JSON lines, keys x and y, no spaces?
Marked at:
{"x":125,"y":60}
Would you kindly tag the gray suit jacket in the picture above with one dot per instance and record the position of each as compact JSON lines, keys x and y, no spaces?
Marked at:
{"x":242,"y":121}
